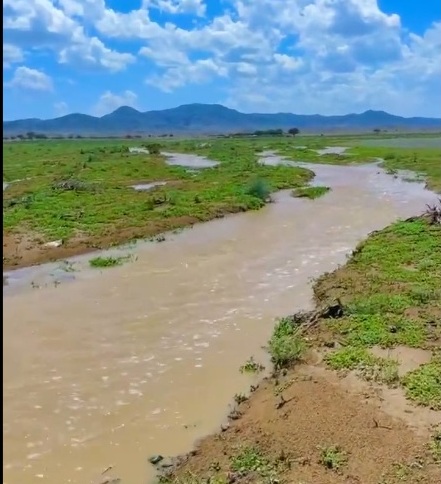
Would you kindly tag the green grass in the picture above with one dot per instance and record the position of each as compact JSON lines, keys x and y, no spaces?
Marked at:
{"x":286,"y":345}
{"x":81,"y":188}
{"x":423,"y":385}
{"x":105,"y":262}
{"x":370,"y":367}
{"x":247,"y":462}
{"x":310,"y":192}
{"x":333,"y":457}
{"x":251,"y":461}
{"x":391,"y":290}
{"x":251,"y":366}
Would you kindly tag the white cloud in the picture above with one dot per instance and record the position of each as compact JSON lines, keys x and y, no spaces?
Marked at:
{"x":110,"y":101}
{"x":50,"y":25}
{"x":93,"y":53}
{"x":61,"y":108}
{"x":30,"y":79}
{"x":328,"y":56}
{"x":287,"y":62}
{"x":11,"y":55}
{"x":196,"y":7}
{"x":191,"y":73}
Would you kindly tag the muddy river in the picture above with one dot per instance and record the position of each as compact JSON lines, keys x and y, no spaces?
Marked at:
{"x":111,"y":366}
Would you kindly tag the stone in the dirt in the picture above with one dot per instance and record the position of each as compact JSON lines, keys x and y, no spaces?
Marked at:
{"x":166,"y":463}
{"x":54,"y":243}
{"x":155,"y":459}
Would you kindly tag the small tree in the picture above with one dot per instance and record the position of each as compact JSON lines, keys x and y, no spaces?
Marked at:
{"x":293,"y":131}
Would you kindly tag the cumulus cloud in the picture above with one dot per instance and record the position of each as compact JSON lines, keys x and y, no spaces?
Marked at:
{"x":60,"y":108}
{"x":327,"y":56}
{"x":30,"y":79}
{"x":196,"y":7}
{"x":51,"y":25}
{"x":110,"y":101}
{"x":11,"y":55}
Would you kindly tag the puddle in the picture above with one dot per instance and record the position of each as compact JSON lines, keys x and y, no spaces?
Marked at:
{"x":107,"y":367}
{"x":137,"y":150}
{"x":189,"y":160}
{"x":182,"y":159}
{"x":271,"y":158}
{"x":332,"y":150}
{"x":148,"y":186}
{"x":408,"y":359}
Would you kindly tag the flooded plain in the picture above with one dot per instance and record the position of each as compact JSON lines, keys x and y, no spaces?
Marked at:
{"x":111,"y":366}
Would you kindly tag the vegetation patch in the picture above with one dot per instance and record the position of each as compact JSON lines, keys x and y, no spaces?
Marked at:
{"x":310,"y":192}
{"x":435,"y":447}
{"x":286,"y":345}
{"x":106,"y":262}
{"x":391,"y":292}
{"x":67,"y":188}
{"x":250,"y":461}
{"x":423,"y":385}
{"x":333,"y":457}
{"x":370,"y":367}
{"x":259,"y":189}
{"x":251,"y":366}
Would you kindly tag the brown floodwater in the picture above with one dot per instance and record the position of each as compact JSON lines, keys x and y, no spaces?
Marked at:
{"x":111,"y":366}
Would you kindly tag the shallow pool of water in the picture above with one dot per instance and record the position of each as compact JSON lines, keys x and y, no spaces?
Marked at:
{"x":141,"y":359}
{"x":148,"y":186}
{"x":189,"y":160}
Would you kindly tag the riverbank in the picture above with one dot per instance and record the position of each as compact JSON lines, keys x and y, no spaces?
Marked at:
{"x":66,"y":198}
{"x":62,"y":198}
{"x":356,"y":398}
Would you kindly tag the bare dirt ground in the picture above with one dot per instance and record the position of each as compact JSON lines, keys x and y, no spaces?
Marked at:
{"x":379,"y":437}
{"x":27,"y":248}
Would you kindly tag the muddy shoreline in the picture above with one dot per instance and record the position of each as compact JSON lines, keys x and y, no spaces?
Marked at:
{"x":27,"y":249}
{"x":382,"y":436}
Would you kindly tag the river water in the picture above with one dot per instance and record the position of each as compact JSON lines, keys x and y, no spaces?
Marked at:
{"x":115,"y":365}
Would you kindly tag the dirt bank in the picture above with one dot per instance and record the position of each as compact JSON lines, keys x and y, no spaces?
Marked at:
{"x":27,"y":249}
{"x":375,"y":420}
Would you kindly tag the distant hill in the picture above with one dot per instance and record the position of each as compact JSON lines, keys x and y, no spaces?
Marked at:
{"x":210,"y":119}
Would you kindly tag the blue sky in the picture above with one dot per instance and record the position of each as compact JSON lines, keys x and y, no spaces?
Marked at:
{"x":302,"y":56}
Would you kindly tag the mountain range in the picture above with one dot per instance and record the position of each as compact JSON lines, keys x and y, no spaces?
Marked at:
{"x":210,"y":119}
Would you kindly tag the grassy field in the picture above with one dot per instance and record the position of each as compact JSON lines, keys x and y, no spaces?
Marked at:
{"x":80,"y":190}
{"x":391,"y":288}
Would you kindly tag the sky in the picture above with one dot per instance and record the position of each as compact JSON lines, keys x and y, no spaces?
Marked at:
{"x":300,"y":56}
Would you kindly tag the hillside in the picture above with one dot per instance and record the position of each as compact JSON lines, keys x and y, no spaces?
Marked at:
{"x":210,"y":119}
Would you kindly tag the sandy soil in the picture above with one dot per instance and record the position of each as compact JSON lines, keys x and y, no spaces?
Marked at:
{"x":384,"y":439}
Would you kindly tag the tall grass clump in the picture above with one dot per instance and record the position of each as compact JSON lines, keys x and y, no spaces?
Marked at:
{"x":259,"y":189}
{"x":286,"y":345}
